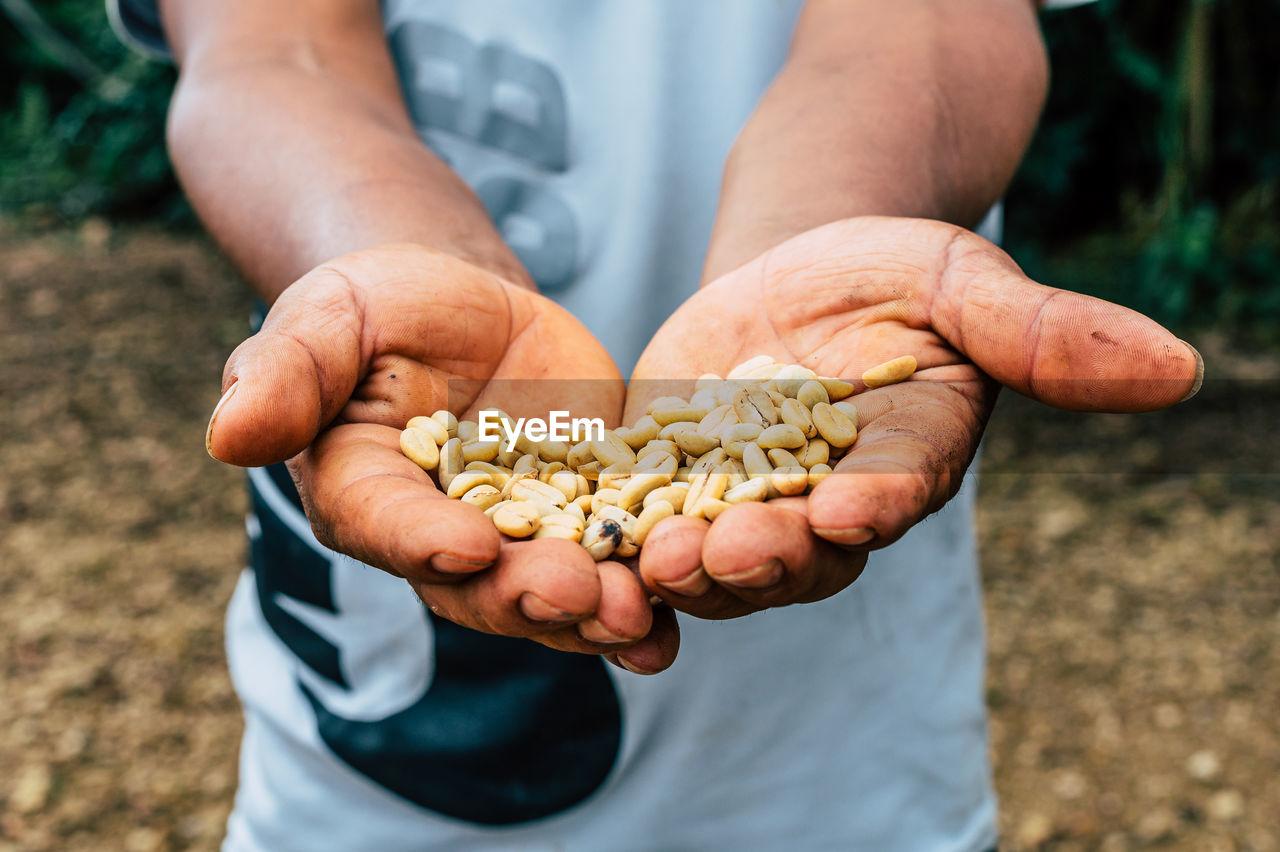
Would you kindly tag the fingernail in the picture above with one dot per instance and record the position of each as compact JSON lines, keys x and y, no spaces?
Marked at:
{"x":1195,"y":386}
{"x":759,"y":577}
{"x":446,"y":564}
{"x":208,"y":432}
{"x":593,"y":631}
{"x":695,"y":585}
{"x":847,"y":538}
{"x":634,"y":669}
{"x":536,"y":609}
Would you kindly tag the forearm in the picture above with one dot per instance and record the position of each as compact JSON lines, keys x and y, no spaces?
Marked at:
{"x":293,"y":153}
{"x":920,"y":108}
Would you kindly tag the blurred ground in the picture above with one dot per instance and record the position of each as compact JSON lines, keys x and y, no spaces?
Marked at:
{"x":1132,"y":573}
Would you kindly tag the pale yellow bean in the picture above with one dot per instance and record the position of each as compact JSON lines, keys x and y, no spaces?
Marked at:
{"x":836,"y":388}
{"x":708,"y":461}
{"x":563,"y":525}
{"x":756,"y":462}
{"x":482,"y":496}
{"x":817,"y":451}
{"x":451,"y":461}
{"x":672,"y":494}
{"x":640,"y":486}
{"x":554,"y":451}
{"x":605,"y":497}
{"x":703,"y":399}
{"x":717,"y":418}
{"x":754,"y":405}
{"x":694,"y":443}
{"x":438,"y":432}
{"x":499,"y":475}
{"x":849,"y":410}
{"x":741,"y":371}
{"x":783,"y":435}
{"x":468,"y":430}
{"x":527,"y":489}
{"x":420,"y":447}
{"x":566,"y":482}
{"x":665,"y":402}
{"x":817,"y":473}
{"x":579,"y":455}
{"x":890,"y":372}
{"x":783,"y":458}
{"x":518,"y":520}
{"x":659,"y":446}
{"x":465,"y":481}
{"x":791,"y":378}
{"x":751,"y":491}
{"x":447,"y":419}
{"x":642,"y":432}
{"x":834,"y":425}
{"x":790,"y":481}
{"x":478,"y":450}
{"x":649,"y":518}
{"x":707,"y":381}
{"x":794,"y":413}
{"x":811,"y":393}
{"x":711,"y":507}
{"x":612,"y":449}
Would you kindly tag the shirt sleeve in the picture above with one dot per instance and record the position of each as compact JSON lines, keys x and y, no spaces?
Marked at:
{"x":137,"y":24}
{"x":1064,"y":4}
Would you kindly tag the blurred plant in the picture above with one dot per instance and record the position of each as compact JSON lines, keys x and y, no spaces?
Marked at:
{"x":1154,"y":178}
{"x":83,"y":126}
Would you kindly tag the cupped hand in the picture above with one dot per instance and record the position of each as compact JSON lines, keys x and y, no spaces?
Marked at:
{"x":847,"y":296}
{"x":355,"y":348}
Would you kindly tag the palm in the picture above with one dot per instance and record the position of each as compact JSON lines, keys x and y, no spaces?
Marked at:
{"x":845,"y":297}
{"x":349,"y":354}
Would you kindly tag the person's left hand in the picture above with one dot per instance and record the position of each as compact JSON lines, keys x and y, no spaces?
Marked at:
{"x":840,"y":299}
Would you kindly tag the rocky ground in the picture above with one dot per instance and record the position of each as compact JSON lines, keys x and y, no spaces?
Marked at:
{"x":1132,"y":571}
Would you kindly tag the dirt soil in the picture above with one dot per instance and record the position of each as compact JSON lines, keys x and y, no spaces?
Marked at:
{"x":1132,"y":572}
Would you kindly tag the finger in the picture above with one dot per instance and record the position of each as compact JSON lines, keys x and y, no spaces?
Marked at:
{"x":281,"y":386}
{"x":766,"y":555}
{"x":655,"y":652}
{"x":536,"y":589}
{"x":366,"y":499}
{"x":1062,"y":348}
{"x":671,"y":566}
{"x":623,"y":615}
{"x":909,"y":459}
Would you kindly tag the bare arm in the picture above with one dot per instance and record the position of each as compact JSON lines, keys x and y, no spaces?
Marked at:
{"x":388,"y":282}
{"x":884,"y":107}
{"x":839,"y":245}
{"x":291,"y":139}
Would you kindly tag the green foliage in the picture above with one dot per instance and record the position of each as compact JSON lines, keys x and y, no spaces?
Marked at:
{"x":1154,"y":179}
{"x":82,"y":131}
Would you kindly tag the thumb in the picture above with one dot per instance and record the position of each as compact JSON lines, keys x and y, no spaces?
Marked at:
{"x":1065,"y":349}
{"x":288,"y":381}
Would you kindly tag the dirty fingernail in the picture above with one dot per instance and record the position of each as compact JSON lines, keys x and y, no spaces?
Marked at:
{"x":634,"y":669}
{"x":760,"y":577}
{"x":852,"y":537}
{"x":692,"y":586}
{"x":1195,"y":386}
{"x":593,"y":631}
{"x":208,"y":432}
{"x":446,"y":564}
{"x":536,"y":609}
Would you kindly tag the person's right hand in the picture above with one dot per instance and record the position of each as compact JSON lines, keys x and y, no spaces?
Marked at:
{"x":359,"y":345}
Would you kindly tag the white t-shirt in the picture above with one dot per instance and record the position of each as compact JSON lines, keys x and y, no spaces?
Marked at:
{"x":596,"y":132}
